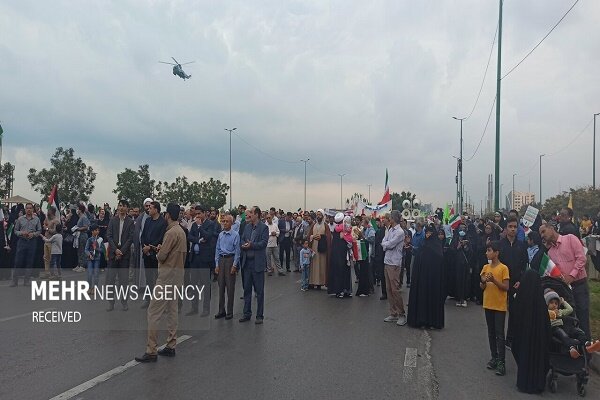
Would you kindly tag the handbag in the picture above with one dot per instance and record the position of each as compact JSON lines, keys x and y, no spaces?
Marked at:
{"x":322,"y":245}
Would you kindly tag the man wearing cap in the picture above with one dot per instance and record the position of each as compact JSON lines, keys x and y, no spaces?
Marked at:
{"x":319,"y":239}
{"x":171,"y":259}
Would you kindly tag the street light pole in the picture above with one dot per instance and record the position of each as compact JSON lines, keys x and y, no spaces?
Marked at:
{"x":541,"y":155}
{"x":369,"y":193}
{"x":460,"y":166}
{"x":341,"y":190}
{"x":498,"y":86}
{"x":512,"y":199}
{"x":594,"y":155}
{"x":305,"y":161}
{"x":230,"y":188}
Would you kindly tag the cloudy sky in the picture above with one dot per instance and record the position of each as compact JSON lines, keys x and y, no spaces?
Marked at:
{"x":356,"y":86}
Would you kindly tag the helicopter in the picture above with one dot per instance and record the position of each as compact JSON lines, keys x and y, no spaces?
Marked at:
{"x":177,"y":70}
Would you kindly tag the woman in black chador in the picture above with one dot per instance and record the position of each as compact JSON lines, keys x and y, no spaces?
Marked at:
{"x":427,"y":295}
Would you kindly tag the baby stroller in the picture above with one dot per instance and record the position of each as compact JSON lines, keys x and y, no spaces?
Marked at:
{"x":561,"y":362}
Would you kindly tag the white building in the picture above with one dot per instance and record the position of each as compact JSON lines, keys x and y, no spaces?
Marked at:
{"x":520,"y":199}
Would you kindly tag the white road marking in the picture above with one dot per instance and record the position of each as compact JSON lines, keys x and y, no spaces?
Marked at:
{"x":410,"y":357}
{"x":24,"y":315}
{"x":77,"y":390}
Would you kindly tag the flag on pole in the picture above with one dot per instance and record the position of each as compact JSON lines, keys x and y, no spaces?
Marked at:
{"x":548,"y":268}
{"x":386,"y":196}
{"x":360,"y":250}
{"x":446,"y":216}
{"x":570,"y":205}
{"x":455,"y":221}
{"x":53,"y":199}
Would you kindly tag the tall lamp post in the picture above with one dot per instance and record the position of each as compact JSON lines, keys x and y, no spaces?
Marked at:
{"x":460,"y":166}
{"x":541,"y":155}
{"x":230,"y":188}
{"x":594,"y":155}
{"x":341,"y":190}
{"x":305,"y":161}
{"x":369,"y":193}
{"x":512,"y":198}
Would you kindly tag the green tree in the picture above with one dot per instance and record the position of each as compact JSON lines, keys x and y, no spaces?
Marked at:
{"x":74,"y":178}
{"x":586,"y":201}
{"x":175,"y":192}
{"x":398,"y":198}
{"x":213,"y":193}
{"x":6,"y":175}
{"x":135,"y":186}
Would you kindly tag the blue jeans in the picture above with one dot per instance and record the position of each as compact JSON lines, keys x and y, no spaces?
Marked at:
{"x":93,"y":270}
{"x":305,"y":276}
{"x":55,"y":263}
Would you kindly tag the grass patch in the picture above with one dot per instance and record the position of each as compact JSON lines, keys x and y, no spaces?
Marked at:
{"x":595,"y":308}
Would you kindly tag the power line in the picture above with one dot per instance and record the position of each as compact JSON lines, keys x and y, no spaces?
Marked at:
{"x":484,"y":131}
{"x":540,"y":42}
{"x":484,"y":74}
{"x":572,"y":141}
{"x":263,"y":152}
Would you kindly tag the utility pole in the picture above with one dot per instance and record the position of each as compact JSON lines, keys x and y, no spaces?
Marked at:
{"x":512,"y":200}
{"x":341,"y":190}
{"x":541,"y":155}
{"x":230,"y":187}
{"x":498,"y":84}
{"x":305,"y":161}
{"x":594,"y":155}
{"x":460,"y":166}
{"x":369,"y":193}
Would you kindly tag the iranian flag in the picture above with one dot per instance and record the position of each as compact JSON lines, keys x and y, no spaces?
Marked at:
{"x":53,"y":199}
{"x":548,"y":268}
{"x":360,"y":250}
{"x":454,"y":221}
{"x":386,"y":196}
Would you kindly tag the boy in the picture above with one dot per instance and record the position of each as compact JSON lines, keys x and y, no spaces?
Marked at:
{"x":93,"y":250}
{"x":56,"y":242}
{"x":306,"y":255}
{"x":569,"y":335}
{"x":494,"y":283}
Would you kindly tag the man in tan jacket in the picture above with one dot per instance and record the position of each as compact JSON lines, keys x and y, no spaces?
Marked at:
{"x":171,"y":260}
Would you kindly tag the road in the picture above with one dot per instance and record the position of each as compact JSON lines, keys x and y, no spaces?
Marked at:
{"x":310,"y":346}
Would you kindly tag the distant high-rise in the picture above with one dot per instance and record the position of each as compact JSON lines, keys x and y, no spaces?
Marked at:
{"x":521,"y":199}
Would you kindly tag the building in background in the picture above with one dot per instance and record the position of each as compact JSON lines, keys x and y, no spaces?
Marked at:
{"x":520,"y":199}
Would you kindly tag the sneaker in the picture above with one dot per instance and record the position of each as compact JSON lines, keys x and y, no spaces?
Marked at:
{"x":458,"y":304}
{"x":500,"y":368}
{"x":463,"y":304}
{"x":492,"y":364}
{"x":390,"y":318}
{"x":76,"y":269}
{"x":401,"y":320}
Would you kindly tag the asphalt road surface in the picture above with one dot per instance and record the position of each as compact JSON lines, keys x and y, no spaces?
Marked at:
{"x":311,"y":346}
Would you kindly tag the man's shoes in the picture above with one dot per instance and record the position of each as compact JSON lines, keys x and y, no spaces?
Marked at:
{"x":244,"y":319}
{"x":146,"y":358}
{"x":383,"y":298}
{"x":193,"y":311}
{"x":401,"y":320}
{"x":492,"y":364}
{"x":110,"y":307}
{"x":270,"y":274}
{"x":259,"y":321}
{"x":167,"y":352}
{"x":390,"y":318}
{"x":220,"y":315}
{"x":241,"y":297}
{"x":229,"y":316}
{"x":145,"y":305}
{"x":281,"y":274}
{"x":125,"y":307}
{"x":501,"y":368}
{"x":13,"y":284}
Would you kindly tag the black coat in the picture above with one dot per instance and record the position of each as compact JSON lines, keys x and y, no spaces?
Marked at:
{"x":112,"y":236}
{"x":205,"y":236}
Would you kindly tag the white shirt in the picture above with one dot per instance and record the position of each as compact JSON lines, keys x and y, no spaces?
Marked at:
{"x":273,"y":239}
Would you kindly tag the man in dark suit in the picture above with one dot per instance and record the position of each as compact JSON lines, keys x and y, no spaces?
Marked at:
{"x":254,"y":261}
{"x":120,"y":237}
{"x":286,"y":230}
{"x":202,"y":239}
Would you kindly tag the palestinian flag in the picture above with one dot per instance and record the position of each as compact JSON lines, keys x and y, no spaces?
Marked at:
{"x":548,"y":268}
{"x":53,"y":200}
{"x":386,"y":196}
{"x":454,"y":221}
{"x":360,"y":250}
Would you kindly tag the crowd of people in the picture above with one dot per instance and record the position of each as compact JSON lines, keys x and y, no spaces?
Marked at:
{"x":497,"y":263}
